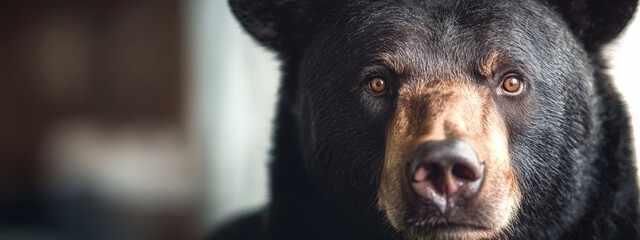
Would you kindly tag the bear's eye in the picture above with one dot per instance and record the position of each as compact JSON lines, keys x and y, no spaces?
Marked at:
{"x":512,"y":85}
{"x":377,"y":85}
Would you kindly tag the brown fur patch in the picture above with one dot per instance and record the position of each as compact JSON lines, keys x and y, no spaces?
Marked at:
{"x":489,"y":64}
{"x":393,"y":62}
{"x":445,"y":109}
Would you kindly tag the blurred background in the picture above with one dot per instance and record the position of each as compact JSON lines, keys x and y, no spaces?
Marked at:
{"x":144,"y":119}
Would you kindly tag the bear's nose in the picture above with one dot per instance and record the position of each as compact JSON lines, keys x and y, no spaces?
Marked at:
{"x":445,"y":173}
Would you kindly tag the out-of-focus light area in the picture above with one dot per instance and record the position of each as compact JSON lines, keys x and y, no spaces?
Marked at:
{"x":142,"y":119}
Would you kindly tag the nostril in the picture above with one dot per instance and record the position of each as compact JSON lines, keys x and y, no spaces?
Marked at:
{"x":436,"y":173}
{"x":427,"y":172}
{"x":464,"y":172}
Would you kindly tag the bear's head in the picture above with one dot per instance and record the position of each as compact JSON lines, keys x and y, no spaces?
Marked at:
{"x":454,"y":119}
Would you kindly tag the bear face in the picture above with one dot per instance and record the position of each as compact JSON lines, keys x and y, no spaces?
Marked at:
{"x":454,"y":119}
{"x":444,"y":68}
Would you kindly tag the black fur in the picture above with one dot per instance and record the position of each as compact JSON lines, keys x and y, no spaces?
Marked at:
{"x":569,"y":136}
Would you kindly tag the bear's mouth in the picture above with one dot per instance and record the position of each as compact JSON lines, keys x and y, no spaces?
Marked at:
{"x":450,"y":231}
{"x":430,"y":219}
{"x":447,"y":229}
{"x":444,"y":224}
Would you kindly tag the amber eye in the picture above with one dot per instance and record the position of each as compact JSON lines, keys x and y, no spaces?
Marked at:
{"x":512,"y":84}
{"x":377,"y":85}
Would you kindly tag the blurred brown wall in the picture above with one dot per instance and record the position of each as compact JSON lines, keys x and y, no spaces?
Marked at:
{"x":112,"y":61}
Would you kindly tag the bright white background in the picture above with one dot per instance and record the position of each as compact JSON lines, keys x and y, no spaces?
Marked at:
{"x":233,"y":95}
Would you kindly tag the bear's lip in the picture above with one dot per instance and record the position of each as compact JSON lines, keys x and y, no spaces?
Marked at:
{"x":457,"y":226}
{"x":447,"y":225}
{"x":425,"y":218}
{"x":450,"y":229}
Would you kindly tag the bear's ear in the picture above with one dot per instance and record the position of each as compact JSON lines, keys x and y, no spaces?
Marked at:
{"x":596,"y":22}
{"x":280,"y":24}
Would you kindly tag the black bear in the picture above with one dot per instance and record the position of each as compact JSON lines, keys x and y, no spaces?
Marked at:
{"x":444,"y":119}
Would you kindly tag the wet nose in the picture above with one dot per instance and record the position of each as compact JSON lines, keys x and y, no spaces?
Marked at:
{"x":445,"y":173}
